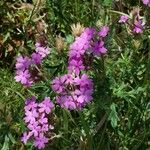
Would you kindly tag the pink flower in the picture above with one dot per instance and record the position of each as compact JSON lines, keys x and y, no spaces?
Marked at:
{"x":146,"y":2}
{"x":22,"y":63}
{"x":36,"y":58}
{"x":43,"y":51}
{"x":31,"y":116}
{"x":99,"y":48}
{"x":40,"y":141}
{"x":23,"y":77}
{"x":46,"y":105}
{"x":75,"y":95}
{"x":26,"y":137}
{"x":37,"y":121}
{"x":123,"y":19}
{"x":104,"y":31}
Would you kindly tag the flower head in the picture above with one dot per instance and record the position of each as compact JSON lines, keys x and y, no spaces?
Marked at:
{"x":37,"y":121}
{"x":104,"y":31}
{"x":123,"y":19}
{"x":146,"y":2}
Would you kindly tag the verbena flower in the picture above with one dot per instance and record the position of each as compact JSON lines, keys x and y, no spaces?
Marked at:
{"x":40,"y":141}
{"x":146,"y":2}
{"x":123,"y":19}
{"x":23,"y":77}
{"x":136,"y":23}
{"x":104,"y":31}
{"x":76,"y":93}
{"x":138,"y":26}
{"x":36,"y":58}
{"x":25,"y":66}
{"x":99,"y":48}
{"x":23,"y":63}
{"x":37,"y":121}
{"x":46,"y":106}
{"x":43,"y":51}
{"x":82,"y":45}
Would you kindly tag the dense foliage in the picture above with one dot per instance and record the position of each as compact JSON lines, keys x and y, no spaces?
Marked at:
{"x":75,"y":74}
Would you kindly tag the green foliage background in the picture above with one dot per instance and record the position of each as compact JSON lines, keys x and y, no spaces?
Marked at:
{"x":119,"y":116}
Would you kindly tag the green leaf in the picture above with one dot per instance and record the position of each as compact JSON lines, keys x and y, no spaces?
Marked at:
{"x":107,"y":2}
{"x":11,"y":138}
{"x":69,"y":39}
{"x":6,"y":143}
{"x":113,"y":117}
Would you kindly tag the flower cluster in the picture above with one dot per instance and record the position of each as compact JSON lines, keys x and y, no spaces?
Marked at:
{"x":137,"y":23}
{"x":74,"y":92}
{"x":24,"y":65}
{"x":146,"y":2}
{"x":75,"y":89}
{"x":85,"y":44}
{"x":37,"y":121}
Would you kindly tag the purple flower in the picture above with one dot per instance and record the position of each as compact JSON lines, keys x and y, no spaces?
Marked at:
{"x":36,"y":58}
{"x":66,"y":102}
{"x":77,"y":93}
{"x":136,"y":29}
{"x":37,"y":121}
{"x":23,"y":77}
{"x":138,"y":26}
{"x":87,"y":34}
{"x":30,"y":104}
{"x":57,"y":84}
{"x":26,"y":137}
{"x":44,"y":128}
{"x":146,"y":2}
{"x":31,"y":116}
{"x":43,"y":120}
{"x":35,"y":128}
{"x":22,"y":63}
{"x":40,"y":141}
{"x":99,"y":48}
{"x":46,"y":105}
{"x":43,"y":51}
{"x":75,"y":66}
{"x":123,"y":19}
{"x":104,"y":31}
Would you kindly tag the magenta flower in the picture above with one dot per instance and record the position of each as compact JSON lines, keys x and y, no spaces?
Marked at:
{"x":57,"y":84}
{"x":43,"y":120}
{"x":146,"y":2}
{"x":104,"y":31}
{"x":75,"y":66}
{"x":31,"y":116}
{"x":26,"y":137}
{"x":44,"y":127}
{"x":35,"y":128}
{"x":30,"y":104}
{"x":37,"y":121}
{"x":138,"y":26}
{"x":23,"y":77}
{"x":99,"y":48}
{"x":123,"y":19}
{"x":22,"y":63}
{"x":43,"y":51}
{"x":36,"y":58}
{"x":25,"y":66}
{"x":74,"y":95}
{"x":40,"y":141}
{"x":46,"y":105}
